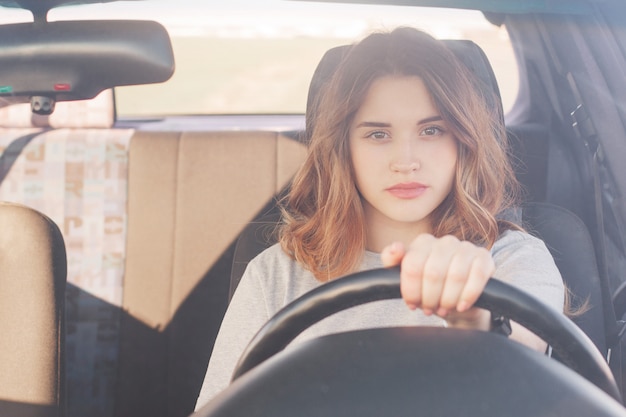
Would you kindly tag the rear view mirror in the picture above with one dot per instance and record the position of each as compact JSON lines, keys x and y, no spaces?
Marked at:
{"x":45,"y":62}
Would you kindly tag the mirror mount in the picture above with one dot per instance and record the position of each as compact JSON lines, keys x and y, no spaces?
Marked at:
{"x":42,"y":105}
{"x":38,"y":8}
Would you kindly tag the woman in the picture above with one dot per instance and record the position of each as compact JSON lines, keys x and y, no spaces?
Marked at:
{"x":406,"y":165}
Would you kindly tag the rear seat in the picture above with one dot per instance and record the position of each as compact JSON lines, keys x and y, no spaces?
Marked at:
{"x":76,"y":174}
{"x":149,"y":220}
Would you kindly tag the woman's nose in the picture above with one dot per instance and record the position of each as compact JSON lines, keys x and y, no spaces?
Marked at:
{"x":405,"y":158}
{"x":405,"y":167}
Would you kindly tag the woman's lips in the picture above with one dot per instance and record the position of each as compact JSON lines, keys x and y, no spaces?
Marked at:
{"x":407,"y":190}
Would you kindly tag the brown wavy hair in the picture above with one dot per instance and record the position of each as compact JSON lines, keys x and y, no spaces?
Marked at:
{"x":323,"y":224}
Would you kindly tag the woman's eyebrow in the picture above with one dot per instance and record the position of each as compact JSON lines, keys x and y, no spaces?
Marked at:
{"x":430,"y":120}
{"x":382,"y":124}
{"x":373,"y":124}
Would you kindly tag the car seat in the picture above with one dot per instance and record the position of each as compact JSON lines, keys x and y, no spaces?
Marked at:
{"x":32,"y":292}
{"x":573,"y":250}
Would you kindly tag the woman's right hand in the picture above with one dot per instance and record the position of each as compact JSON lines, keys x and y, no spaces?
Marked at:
{"x":444,"y":276}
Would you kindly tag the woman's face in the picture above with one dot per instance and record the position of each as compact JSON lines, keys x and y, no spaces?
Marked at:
{"x":404,"y":157}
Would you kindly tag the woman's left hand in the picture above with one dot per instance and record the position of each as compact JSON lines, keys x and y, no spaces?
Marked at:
{"x":444,"y":276}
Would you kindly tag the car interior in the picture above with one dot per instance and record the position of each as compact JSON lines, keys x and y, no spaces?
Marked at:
{"x":137,"y":232}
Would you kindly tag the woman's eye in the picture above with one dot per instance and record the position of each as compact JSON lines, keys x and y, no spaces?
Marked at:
{"x":432,"y":131}
{"x":378,"y":135}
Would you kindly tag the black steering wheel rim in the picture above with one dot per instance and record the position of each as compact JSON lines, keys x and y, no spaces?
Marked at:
{"x":575,"y":349}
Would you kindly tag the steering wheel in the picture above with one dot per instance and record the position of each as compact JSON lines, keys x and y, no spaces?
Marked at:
{"x":575,"y":349}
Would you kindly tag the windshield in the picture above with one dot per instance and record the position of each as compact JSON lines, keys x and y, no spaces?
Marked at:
{"x":257,"y":57}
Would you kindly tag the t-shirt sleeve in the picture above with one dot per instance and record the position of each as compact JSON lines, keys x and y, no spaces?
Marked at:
{"x":246,"y":314}
{"x":525,"y":262}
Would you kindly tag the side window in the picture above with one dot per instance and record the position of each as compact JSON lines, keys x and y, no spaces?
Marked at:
{"x":499,"y":51}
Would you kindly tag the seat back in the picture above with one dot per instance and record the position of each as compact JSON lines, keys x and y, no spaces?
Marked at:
{"x":71,"y":166}
{"x":32,"y":291}
{"x":570,"y":244}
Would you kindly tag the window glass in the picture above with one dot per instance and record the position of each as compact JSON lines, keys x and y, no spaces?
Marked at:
{"x":258,"y":56}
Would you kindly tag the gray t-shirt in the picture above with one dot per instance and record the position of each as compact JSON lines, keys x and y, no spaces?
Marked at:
{"x":273,"y":279}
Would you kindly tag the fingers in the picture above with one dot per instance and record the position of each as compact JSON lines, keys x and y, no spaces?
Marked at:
{"x":392,"y":254}
{"x":440,"y":275}
{"x":467,"y":275}
{"x":412,"y":272}
{"x":423,"y":272}
{"x":482,"y":269}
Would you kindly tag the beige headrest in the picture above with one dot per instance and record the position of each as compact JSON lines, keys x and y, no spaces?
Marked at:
{"x":95,"y":113}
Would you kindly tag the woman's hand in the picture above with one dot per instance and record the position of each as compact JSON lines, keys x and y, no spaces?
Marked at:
{"x":444,"y":276}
